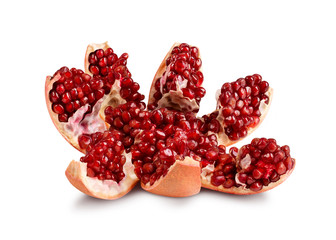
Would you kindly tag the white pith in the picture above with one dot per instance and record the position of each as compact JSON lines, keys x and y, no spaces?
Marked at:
{"x":207,"y":172}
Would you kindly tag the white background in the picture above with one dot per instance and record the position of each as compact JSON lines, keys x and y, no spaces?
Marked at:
{"x":292,"y":44}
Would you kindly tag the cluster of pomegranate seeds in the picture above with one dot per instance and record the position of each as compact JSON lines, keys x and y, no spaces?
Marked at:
{"x":211,"y":123}
{"x":104,"y":62}
{"x":73,"y":90}
{"x":129,"y":118}
{"x":263,"y":162}
{"x":156,"y":152}
{"x":239,"y":104}
{"x":104,"y":156}
{"x":183,"y":70}
{"x":225,"y":169}
{"x":130,"y":90}
{"x":109,"y":67}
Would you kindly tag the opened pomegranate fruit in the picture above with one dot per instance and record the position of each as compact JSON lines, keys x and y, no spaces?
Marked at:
{"x":165,"y":146}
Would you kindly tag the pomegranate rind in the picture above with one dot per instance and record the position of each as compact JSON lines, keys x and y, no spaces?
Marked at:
{"x":76,"y":173}
{"x":172,"y":99}
{"x":91,"y":48}
{"x":241,"y":190}
{"x":223,"y":139}
{"x":182,"y":180}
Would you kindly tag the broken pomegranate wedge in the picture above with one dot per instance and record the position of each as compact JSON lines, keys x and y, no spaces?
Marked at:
{"x":106,"y":171}
{"x":178,"y":82}
{"x":76,"y":100}
{"x":241,"y":107}
{"x":166,"y":147}
{"x":255,"y":168}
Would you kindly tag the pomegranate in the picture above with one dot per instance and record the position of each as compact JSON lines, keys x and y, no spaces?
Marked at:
{"x":178,"y":81}
{"x":254,"y":168}
{"x":166,"y":147}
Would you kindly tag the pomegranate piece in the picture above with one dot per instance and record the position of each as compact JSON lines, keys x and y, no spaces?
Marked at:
{"x":106,"y":171}
{"x":178,"y":82}
{"x":76,"y":100}
{"x":258,"y":167}
{"x":241,"y":107}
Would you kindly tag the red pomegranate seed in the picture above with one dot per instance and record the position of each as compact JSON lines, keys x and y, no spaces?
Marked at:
{"x":54,"y":97}
{"x":256,"y":186}
{"x":217,"y":180}
{"x":58,"y":108}
{"x":281,"y":168}
{"x":188,"y":93}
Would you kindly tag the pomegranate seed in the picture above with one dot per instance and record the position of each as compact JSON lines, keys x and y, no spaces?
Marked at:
{"x":217,"y":180}
{"x":281,"y":168}
{"x":54,"y":97}
{"x":58,"y":108}
{"x":63,"y":117}
{"x":256,"y":186}
{"x":257,"y":173}
{"x":188,"y":93}
{"x":264,"y":86}
{"x":99,"y":53}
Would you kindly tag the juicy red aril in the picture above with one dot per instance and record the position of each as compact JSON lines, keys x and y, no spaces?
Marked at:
{"x":58,"y":108}
{"x":256,"y":186}
{"x":217,"y":180}
{"x":188,"y":93}
{"x":60,"y":89}
{"x":54,"y":97}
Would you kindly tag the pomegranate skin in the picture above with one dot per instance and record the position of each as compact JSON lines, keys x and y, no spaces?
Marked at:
{"x":182,"y":180}
{"x":241,"y":190}
{"x":107,"y":189}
